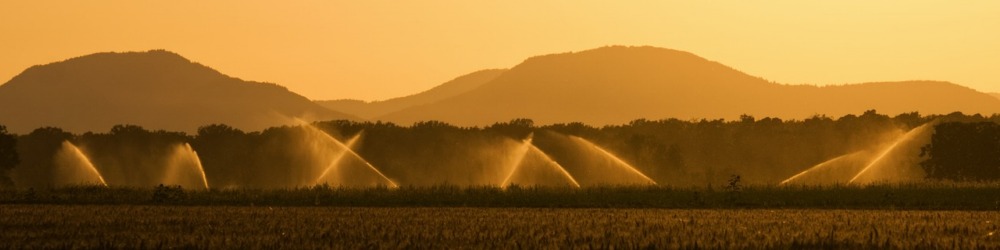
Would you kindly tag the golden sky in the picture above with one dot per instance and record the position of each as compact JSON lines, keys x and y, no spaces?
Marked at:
{"x":375,"y":50}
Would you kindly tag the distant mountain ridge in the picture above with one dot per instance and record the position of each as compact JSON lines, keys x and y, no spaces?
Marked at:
{"x":615,"y":85}
{"x":997,"y":95}
{"x":155,"y":89}
{"x":449,"y":89}
{"x":610,"y":85}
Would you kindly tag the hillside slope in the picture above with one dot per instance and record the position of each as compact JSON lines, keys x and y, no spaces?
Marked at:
{"x":614,"y":85}
{"x":449,"y":89}
{"x":155,"y":89}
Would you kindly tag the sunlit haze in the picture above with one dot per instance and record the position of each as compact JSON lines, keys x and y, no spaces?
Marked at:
{"x":373,"y":50}
{"x":500,"y":124}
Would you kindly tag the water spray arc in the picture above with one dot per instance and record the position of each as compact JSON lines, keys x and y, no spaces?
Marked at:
{"x":74,"y":152}
{"x":350,"y":152}
{"x":822,"y":165}
{"x":617,"y":160}
{"x":336,"y":159}
{"x":905,"y":137}
{"x":185,"y":160}
{"x":521,"y":153}
{"x":526,"y":148}
{"x":197,"y":160}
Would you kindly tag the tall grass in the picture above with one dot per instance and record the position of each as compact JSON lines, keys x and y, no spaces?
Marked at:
{"x":923,"y":196}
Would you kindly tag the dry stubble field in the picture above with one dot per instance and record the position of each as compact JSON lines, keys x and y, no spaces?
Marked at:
{"x":127,"y":226}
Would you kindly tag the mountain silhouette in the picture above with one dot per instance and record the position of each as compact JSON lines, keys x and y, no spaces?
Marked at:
{"x":449,"y":89}
{"x":155,"y":89}
{"x":615,"y":85}
{"x":997,"y":95}
{"x":610,"y":85}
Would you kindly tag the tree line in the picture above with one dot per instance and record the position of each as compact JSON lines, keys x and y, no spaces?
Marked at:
{"x":670,"y":151}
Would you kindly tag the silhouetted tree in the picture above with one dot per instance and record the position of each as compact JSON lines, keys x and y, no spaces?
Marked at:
{"x":37,"y":152}
{"x":671,"y":151}
{"x":912,"y":119}
{"x":515,"y":129}
{"x":8,"y":156}
{"x":132,"y":155}
{"x":964,"y":151}
{"x":225,"y":154}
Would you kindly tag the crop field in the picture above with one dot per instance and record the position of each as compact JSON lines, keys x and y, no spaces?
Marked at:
{"x":129,"y":226}
{"x":966,"y":196}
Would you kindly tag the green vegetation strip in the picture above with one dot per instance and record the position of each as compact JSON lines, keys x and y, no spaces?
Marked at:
{"x":908,"y":197}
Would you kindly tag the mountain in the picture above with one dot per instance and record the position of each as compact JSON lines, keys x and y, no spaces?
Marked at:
{"x":615,"y":85}
{"x":449,"y":89}
{"x":997,"y":95}
{"x":155,"y":89}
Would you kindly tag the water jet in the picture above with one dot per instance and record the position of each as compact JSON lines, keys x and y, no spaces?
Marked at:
{"x":350,"y":152}
{"x":184,"y":168}
{"x":336,"y":160}
{"x":618,"y":161}
{"x":876,"y":169}
{"x":75,"y":168}
{"x":837,"y":169}
{"x":523,"y":151}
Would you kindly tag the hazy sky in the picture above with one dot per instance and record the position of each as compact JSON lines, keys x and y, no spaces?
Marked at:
{"x":381,"y":49}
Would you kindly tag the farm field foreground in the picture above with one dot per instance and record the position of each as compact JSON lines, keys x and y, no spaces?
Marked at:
{"x":130,"y":226}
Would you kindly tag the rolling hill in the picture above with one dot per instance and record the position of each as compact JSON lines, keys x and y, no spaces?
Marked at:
{"x":155,"y":89}
{"x":610,"y":85}
{"x":615,"y":85}
{"x":449,"y":89}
